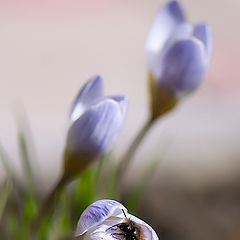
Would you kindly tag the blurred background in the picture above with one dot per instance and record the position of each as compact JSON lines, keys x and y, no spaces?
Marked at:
{"x":50,"y":48}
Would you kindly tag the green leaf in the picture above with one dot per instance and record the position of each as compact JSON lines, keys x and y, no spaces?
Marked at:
{"x":7,"y":166}
{"x":13,"y":225}
{"x":30,"y":208}
{"x":4,"y":194}
{"x":28,"y":173}
{"x":64,"y":214}
{"x":44,"y":229}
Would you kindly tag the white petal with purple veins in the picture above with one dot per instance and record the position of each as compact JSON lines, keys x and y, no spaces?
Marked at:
{"x":97,"y":212}
{"x":102,"y":231}
{"x":100,"y":221}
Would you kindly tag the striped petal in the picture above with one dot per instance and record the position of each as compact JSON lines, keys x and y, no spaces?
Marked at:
{"x":97,"y":213}
{"x":100,"y":220}
{"x":91,"y":92}
{"x":123,"y":103}
{"x":96,"y":130}
{"x":168,"y":19}
{"x":203,"y":33}
{"x":183,"y":66}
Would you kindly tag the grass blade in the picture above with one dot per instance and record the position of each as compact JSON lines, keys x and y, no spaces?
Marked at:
{"x":4,"y":194}
{"x":28,"y":173}
{"x":6,"y":164}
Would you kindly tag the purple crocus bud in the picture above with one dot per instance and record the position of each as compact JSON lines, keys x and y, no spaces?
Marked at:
{"x":95,"y":123}
{"x":178,"y":55}
{"x":109,"y":220}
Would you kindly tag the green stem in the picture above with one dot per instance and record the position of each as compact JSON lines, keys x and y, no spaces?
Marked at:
{"x":124,"y":163}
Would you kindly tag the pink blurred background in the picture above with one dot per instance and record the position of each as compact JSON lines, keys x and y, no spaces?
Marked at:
{"x":50,"y":48}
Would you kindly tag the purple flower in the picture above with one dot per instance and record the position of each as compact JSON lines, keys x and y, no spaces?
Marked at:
{"x":178,"y":52}
{"x":107,"y":219}
{"x":95,"y":120}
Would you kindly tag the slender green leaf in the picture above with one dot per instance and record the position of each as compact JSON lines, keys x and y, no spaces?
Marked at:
{"x":13,"y":226}
{"x":7,"y":166}
{"x":30,"y":208}
{"x":4,"y":194}
{"x":28,"y":173}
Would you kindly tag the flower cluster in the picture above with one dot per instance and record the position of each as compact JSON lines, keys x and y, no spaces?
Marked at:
{"x":178,"y":55}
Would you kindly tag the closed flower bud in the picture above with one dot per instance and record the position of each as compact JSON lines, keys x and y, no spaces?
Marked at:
{"x":95,"y":123}
{"x":109,"y":220}
{"x":178,"y":54}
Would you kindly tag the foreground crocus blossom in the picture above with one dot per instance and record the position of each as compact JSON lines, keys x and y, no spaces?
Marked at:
{"x":178,"y":54}
{"x":109,"y":220}
{"x":95,"y":123}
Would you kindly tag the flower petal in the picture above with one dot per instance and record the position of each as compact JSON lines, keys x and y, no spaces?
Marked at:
{"x":164,"y":26}
{"x":184,"y":31}
{"x":89,"y":94}
{"x":97,"y":212}
{"x":95,"y":131}
{"x":103,"y":230}
{"x":149,"y":233}
{"x":123,"y":103}
{"x":164,"y":30}
{"x":183,"y":66}
{"x":203,"y":33}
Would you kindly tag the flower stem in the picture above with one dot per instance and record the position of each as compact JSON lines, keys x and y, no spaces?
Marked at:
{"x":127,"y":157}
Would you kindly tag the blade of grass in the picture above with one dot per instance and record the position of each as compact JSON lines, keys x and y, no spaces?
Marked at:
{"x":13,"y":225}
{"x":5,"y":159}
{"x":26,"y":148}
{"x":4,"y":194}
{"x":29,"y":213}
{"x":28,"y":173}
{"x":62,"y":225}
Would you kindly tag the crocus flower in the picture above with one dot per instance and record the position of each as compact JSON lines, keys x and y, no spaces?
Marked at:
{"x":95,"y":123}
{"x":109,"y":220}
{"x":178,"y":54}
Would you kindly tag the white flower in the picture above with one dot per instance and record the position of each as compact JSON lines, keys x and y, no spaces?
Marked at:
{"x":105,"y":219}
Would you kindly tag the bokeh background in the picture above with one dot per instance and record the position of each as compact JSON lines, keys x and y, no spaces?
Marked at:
{"x":50,"y":48}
